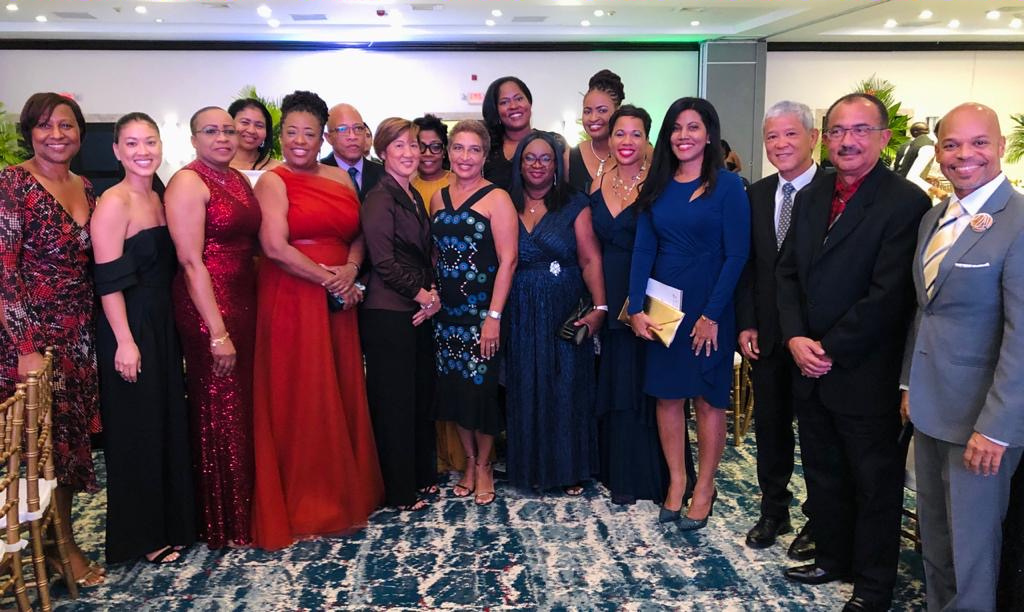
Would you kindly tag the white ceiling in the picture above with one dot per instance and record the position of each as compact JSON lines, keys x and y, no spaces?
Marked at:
{"x":361,"y":21}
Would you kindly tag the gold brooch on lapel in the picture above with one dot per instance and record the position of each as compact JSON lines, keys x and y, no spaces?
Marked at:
{"x":981,"y":222}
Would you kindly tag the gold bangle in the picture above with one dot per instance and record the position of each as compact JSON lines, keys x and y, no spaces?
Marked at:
{"x":703,"y":318}
{"x":215,"y":342}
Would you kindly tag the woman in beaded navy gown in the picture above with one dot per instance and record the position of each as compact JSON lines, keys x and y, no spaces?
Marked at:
{"x":631,"y":462}
{"x":150,"y":503}
{"x":474,"y":230}
{"x":693,"y":233}
{"x":552,"y":435}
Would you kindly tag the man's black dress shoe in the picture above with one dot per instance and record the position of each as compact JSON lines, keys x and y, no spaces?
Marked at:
{"x":859,"y":604}
{"x":802,"y":548}
{"x":811,"y":574}
{"x":763,"y":534}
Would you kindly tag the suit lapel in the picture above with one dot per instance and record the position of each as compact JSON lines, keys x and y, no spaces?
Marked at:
{"x":924,"y":234}
{"x":819,"y":206}
{"x":765,"y":212}
{"x":855,"y":211}
{"x":968,"y":238}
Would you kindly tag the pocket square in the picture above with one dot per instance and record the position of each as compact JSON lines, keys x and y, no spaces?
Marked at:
{"x":971,"y":265}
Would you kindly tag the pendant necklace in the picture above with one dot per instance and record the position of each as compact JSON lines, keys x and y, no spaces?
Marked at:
{"x":600,"y":162}
{"x":618,"y":185}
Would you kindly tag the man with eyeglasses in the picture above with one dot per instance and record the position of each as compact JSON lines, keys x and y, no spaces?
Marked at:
{"x":349,"y":135}
{"x":845,"y":297}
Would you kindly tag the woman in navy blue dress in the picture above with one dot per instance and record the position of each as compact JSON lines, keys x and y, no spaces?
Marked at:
{"x":552,"y":438}
{"x":631,"y":461}
{"x":693,"y":233}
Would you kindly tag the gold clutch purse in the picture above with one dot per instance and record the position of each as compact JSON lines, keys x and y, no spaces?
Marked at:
{"x":664,"y":316}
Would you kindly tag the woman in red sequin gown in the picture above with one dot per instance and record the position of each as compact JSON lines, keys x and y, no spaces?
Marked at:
{"x":214,"y":219}
{"x":316,"y":462}
{"x":46,"y":292}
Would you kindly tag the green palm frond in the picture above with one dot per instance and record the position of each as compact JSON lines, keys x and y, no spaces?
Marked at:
{"x":11,"y":151}
{"x":1015,"y":143}
{"x":886,"y":92}
{"x":274,"y":106}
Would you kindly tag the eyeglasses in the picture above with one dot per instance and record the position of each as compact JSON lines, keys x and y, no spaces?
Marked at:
{"x":433,"y":147}
{"x":859,"y":131}
{"x":530,"y":159}
{"x":213,"y":132}
{"x":358,"y":130}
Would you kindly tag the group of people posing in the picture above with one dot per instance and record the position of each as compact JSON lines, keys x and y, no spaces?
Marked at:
{"x":330,"y":311}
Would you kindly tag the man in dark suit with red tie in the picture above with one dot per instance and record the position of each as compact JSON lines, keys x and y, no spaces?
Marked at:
{"x":846,"y":297}
{"x":789,"y":141}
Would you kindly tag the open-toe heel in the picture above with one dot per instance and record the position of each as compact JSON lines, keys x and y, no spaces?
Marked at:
{"x":486,"y":498}
{"x":461,"y":490}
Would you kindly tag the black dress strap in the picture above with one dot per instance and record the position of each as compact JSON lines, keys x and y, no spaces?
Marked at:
{"x":446,"y":198}
{"x":478,"y":195}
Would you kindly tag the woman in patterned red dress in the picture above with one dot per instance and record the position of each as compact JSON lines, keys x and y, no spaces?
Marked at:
{"x":214,"y":218}
{"x":46,"y":292}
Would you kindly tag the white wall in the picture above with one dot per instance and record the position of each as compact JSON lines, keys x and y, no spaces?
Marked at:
{"x":929,"y":83}
{"x":170,"y":85}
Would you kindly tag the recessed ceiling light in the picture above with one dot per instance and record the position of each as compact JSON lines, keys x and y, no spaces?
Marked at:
{"x":993,"y":15}
{"x":954,"y":23}
{"x":273,"y":22}
{"x":1015,"y":23}
{"x":695,"y":23}
{"x":140,"y":10}
{"x":264,"y":11}
{"x":925,"y":14}
{"x":598,"y":13}
{"x":41,"y":18}
{"x":891,"y":23}
{"x":12,"y":7}
{"x":158,"y":20}
{"x":585,"y":23}
{"x":496,"y":13}
{"x":489,"y":23}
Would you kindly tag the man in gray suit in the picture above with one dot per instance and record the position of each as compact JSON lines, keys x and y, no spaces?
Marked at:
{"x":964,"y":361}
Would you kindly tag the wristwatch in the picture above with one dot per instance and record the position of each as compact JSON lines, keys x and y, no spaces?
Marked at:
{"x":494,"y":314}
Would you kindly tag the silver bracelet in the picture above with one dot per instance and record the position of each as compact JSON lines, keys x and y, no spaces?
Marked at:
{"x":603,"y":307}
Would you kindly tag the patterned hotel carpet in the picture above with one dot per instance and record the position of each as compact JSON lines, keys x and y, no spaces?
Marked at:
{"x":523,"y":552}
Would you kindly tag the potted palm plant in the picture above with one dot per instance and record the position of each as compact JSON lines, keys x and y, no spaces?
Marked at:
{"x":11,"y":151}
{"x":1015,"y":143}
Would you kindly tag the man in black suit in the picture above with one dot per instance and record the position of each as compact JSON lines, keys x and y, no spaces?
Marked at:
{"x":845,"y":296}
{"x":348,"y":135}
{"x":789,"y":141}
{"x":907,"y":154}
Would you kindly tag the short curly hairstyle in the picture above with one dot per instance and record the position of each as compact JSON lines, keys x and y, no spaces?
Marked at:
{"x":304,"y":101}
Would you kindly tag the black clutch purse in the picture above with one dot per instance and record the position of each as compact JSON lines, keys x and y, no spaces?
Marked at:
{"x":568,"y":330}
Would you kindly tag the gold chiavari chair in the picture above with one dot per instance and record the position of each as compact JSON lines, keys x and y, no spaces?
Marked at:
{"x":742,"y":399}
{"x":41,"y":481}
{"x":12,"y":415}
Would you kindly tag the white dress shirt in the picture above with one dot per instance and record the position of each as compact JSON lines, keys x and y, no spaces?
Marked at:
{"x":799,"y":183}
{"x":344,"y":165}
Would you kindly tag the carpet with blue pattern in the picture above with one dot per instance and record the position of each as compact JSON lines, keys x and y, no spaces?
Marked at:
{"x":526,"y":551}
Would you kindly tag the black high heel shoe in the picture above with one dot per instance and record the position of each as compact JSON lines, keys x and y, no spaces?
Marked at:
{"x":670,"y":516}
{"x":689,"y":524}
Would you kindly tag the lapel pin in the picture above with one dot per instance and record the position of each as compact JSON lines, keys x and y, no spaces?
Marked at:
{"x":981,"y":222}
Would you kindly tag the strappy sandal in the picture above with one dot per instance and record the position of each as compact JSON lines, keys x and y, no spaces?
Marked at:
{"x":461,"y":490}
{"x":161,"y":558}
{"x":432,"y":489}
{"x":486,"y":498}
{"x":417,"y":506}
{"x":95,"y":574}
{"x":573,"y":490}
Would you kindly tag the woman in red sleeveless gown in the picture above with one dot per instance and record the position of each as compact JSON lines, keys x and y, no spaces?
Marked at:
{"x":316,"y":462}
{"x":214,"y":220}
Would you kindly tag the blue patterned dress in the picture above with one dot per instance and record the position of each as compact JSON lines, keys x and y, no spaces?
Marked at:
{"x":467,"y":386}
{"x":549,"y":382}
